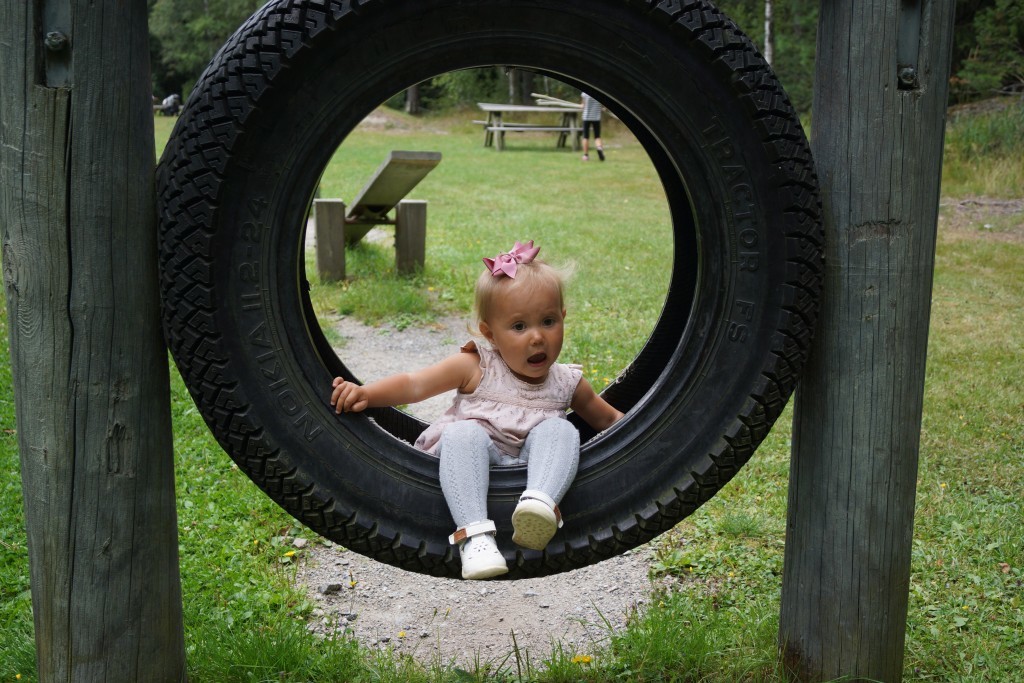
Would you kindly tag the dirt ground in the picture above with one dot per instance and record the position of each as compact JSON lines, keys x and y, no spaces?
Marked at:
{"x":449,"y":620}
{"x":1001,"y":220}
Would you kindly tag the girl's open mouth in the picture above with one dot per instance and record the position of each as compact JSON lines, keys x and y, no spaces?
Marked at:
{"x":537,"y":358}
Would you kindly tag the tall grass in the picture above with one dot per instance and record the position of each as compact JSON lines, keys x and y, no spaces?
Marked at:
{"x":984,"y":150}
{"x":717,"y":617}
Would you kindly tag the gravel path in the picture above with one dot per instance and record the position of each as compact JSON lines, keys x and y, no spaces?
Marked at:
{"x":449,"y":620}
{"x":456,"y":620}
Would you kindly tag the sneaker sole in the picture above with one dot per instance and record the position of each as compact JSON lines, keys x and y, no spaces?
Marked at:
{"x":485,"y":572}
{"x":533,"y":525}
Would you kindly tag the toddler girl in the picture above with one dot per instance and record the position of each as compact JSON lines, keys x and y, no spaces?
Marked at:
{"x":509,"y":408}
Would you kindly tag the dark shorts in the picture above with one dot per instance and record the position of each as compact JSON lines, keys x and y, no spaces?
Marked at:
{"x":587,"y":125}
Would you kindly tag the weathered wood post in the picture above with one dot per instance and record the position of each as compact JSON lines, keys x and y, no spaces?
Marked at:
{"x":410,"y":235}
{"x":879,"y":115}
{"x":329,"y":224}
{"x":90,"y":369}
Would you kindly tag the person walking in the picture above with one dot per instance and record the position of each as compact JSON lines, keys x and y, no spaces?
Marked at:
{"x":592,"y":121}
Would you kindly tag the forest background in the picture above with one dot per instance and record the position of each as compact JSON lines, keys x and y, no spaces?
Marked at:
{"x":988,"y":52}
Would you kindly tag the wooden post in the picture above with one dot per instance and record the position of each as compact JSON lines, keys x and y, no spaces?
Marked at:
{"x":410,"y":235}
{"x":879,"y":113}
{"x":92,"y":392}
{"x":329,"y":218}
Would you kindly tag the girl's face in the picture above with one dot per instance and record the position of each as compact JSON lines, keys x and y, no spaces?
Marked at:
{"x":526,"y":328}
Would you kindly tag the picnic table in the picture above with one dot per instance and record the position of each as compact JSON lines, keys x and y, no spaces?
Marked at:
{"x":567,"y":125}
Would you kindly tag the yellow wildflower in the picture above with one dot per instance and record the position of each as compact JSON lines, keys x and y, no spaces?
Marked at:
{"x":581,"y":659}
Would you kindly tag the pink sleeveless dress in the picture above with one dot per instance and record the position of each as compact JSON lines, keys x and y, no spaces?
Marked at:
{"x":504,"y":405}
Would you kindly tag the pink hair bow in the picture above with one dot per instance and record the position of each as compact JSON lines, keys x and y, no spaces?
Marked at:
{"x":506,"y":264}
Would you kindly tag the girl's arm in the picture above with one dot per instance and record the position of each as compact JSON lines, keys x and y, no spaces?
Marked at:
{"x":594,"y":410}
{"x":461,"y":371}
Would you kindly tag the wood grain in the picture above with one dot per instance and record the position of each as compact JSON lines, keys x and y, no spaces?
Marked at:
{"x":90,"y":368}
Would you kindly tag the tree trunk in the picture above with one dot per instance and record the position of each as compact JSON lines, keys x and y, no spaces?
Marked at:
{"x":520,"y":85}
{"x":769,"y":32}
{"x":526,"y":85}
{"x":412,"y":100}
{"x":90,"y":369}
{"x":512,"y":74}
{"x":879,"y":113}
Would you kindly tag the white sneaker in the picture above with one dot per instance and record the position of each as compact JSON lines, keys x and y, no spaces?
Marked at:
{"x":535,"y":520}
{"x":481,"y":558}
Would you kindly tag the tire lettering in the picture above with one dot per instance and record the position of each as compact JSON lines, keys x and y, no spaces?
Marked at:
{"x":285,"y":398}
{"x":251,"y":232}
{"x":261,"y":337}
{"x":749,"y":259}
{"x":249,"y":272}
{"x":742,"y":201}
{"x":742,"y":191}
{"x":256,"y":206}
{"x":743,"y":312}
{"x":289,"y":404}
{"x":276,"y":382}
{"x":258,"y":336}
{"x":252,"y":301}
{"x":310,"y":429}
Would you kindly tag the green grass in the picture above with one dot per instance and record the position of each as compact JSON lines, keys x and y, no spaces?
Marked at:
{"x":717,"y":618}
{"x":481,"y":201}
{"x":984,"y":148}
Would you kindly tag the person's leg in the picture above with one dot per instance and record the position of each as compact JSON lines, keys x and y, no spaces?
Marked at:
{"x":586,"y":140}
{"x":597,"y":140}
{"x":466,"y":452}
{"x":465,"y":470}
{"x":552,"y":454}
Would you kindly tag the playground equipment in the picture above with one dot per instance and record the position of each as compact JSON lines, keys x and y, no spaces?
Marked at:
{"x":93,"y":417}
{"x":700,"y":396}
{"x":338,"y":226}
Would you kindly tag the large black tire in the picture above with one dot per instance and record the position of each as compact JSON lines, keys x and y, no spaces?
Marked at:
{"x":722,"y":361}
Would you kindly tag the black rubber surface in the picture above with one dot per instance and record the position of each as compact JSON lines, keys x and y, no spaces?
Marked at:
{"x":245,"y":156}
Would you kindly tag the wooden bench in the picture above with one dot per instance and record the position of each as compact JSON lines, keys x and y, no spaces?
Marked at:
{"x":337,"y":227}
{"x":564,"y":132}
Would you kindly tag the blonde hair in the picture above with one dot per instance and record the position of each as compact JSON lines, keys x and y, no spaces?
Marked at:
{"x":529,"y":277}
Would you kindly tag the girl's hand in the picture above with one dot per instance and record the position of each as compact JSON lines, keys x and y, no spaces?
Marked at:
{"x":348,"y":397}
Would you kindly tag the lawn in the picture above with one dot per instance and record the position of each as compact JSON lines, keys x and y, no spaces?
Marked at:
{"x":609,"y":219}
{"x":245,"y":618}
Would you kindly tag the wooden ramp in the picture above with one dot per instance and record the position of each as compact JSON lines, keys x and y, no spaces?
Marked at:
{"x":394,"y":179}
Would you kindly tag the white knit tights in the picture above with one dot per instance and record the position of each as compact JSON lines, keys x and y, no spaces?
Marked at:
{"x":551,"y":453}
